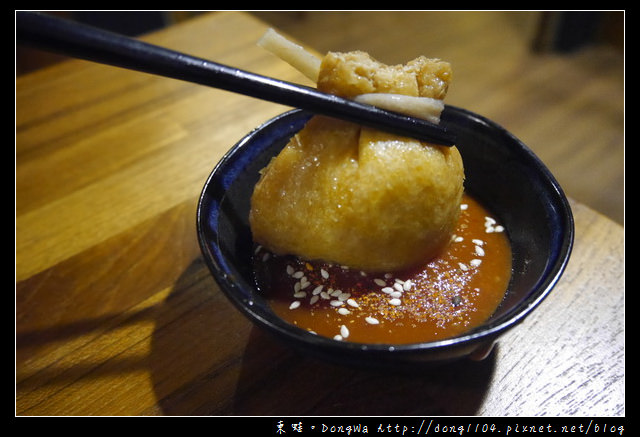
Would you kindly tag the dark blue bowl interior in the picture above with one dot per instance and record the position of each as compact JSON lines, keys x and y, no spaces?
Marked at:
{"x":501,"y":172}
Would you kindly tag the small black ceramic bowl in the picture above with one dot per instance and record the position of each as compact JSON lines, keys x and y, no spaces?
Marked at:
{"x":501,"y":172}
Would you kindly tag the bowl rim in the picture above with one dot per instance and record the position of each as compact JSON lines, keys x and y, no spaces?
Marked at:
{"x":222,"y":271}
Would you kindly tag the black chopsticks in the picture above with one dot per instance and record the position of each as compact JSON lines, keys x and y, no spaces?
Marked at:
{"x":85,"y":42}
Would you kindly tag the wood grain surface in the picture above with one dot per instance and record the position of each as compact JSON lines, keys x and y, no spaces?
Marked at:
{"x":116,"y":313}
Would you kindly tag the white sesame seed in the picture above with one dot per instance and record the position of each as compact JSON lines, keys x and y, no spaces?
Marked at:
{"x":324,"y":273}
{"x":344,"y":296}
{"x":458,"y":239}
{"x":499,"y":228}
{"x":257,"y":249}
{"x":489,"y":220}
{"x":337,"y":337}
{"x":352,"y":303}
{"x":477,"y":242}
{"x":296,"y":287}
{"x":479,"y":251}
{"x":379,"y":282}
{"x":395,"y":301}
{"x":299,"y":294}
{"x":335,"y":293}
{"x":298,"y":275}
{"x":371,"y":320}
{"x":464,"y":206}
{"x":387,"y":290}
{"x":290,"y":270}
{"x":388,"y":275}
{"x":398,"y":286}
{"x":407,"y":285}
{"x":463,"y":266}
{"x":317,"y":290}
{"x":475,"y":262}
{"x":336,"y":303}
{"x":265,"y":256}
{"x":304,"y":284}
{"x":344,"y":331}
{"x":294,"y":305}
{"x":325,"y":295}
{"x":343,"y":311}
{"x":395,"y":294}
{"x":489,"y":229}
{"x":314,"y":299}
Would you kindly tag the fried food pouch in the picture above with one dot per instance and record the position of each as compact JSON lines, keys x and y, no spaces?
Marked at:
{"x":355,"y":196}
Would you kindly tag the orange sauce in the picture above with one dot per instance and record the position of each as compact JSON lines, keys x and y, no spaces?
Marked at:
{"x":445,"y":297}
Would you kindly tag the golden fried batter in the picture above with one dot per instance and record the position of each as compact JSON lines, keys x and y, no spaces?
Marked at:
{"x":357,"y":196}
{"x":353,"y":73}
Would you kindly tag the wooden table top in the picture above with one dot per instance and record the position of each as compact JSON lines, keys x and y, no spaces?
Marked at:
{"x":117,"y":314}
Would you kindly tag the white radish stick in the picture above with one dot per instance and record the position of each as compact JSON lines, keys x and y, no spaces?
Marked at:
{"x":290,"y":52}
